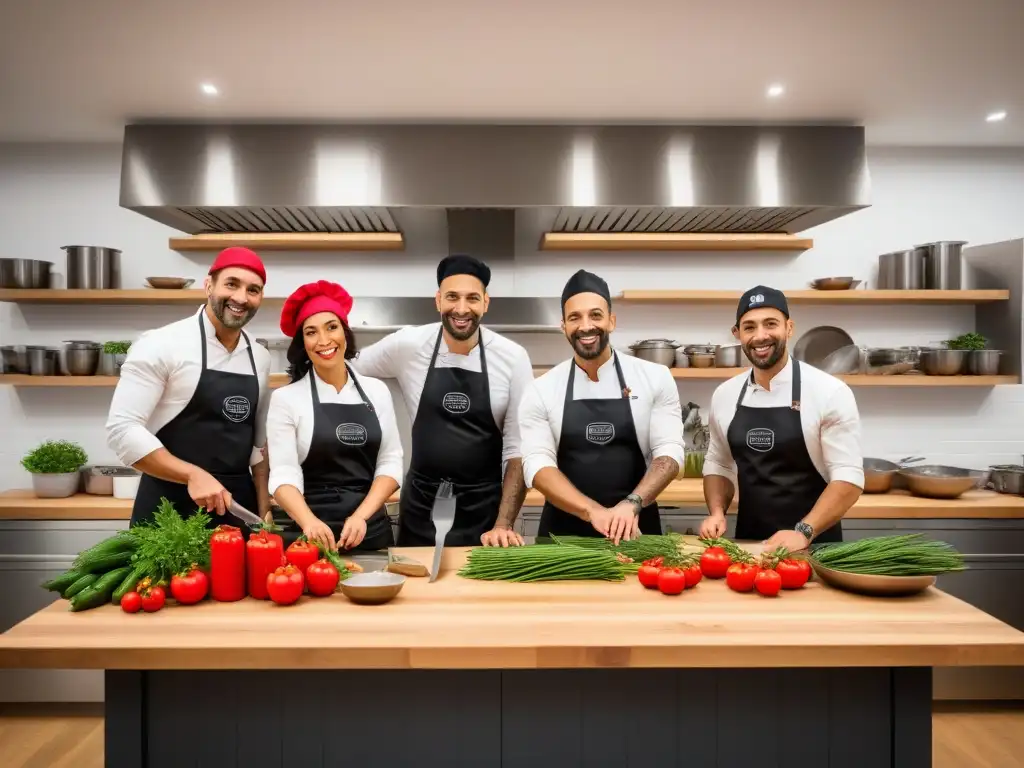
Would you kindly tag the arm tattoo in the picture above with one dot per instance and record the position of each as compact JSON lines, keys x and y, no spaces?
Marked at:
{"x":663,"y":470}
{"x":513,"y":493}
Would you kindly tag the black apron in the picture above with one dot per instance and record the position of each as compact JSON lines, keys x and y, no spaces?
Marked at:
{"x":454,"y":438}
{"x":599,"y":454}
{"x":215,"y":431}
{"x":340,"y":466}
{"x":778,"y":482}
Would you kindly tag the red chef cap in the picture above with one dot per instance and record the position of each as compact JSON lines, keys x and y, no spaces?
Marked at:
{"x":237,"y":256}
{"x":307,"y":300}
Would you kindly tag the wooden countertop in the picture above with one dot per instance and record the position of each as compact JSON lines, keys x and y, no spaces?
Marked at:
{"x":460,"y":623}
{"x":23,"y":505}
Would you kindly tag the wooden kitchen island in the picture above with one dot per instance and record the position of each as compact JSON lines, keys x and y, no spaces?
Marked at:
{"x":469,"y":673}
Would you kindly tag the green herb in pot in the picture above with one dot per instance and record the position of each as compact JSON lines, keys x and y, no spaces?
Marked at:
{"x":968,"y":341}
{"x":116,"y":347}
{"x":55,"y":457}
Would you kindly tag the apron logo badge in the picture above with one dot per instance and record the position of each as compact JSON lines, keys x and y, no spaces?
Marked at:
{"x":236,"y":408}
{"x":600,"y":432}
{"x":455,"y":402}
{"x":351,"y":434}
{"x":761,"y":439}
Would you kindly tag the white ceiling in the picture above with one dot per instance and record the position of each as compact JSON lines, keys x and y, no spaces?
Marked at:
{"x":922,"y":72}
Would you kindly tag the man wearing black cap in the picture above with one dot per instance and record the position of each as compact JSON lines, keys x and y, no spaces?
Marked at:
{"x":462,"y":386}
{"x":788,"y":432}
{"x":602,"y":434}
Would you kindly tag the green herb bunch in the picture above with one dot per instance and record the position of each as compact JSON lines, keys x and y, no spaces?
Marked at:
{"x":116,"y":347}
{"x":168,"y":545}
{"x":967,"y":341}
{"x":55,"y":457}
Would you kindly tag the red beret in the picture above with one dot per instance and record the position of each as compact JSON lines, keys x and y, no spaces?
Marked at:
{"x":307,"y":300}
{"x":237,"y":256}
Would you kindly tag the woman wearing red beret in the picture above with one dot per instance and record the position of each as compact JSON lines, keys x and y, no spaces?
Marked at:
{"x":334,"y":449}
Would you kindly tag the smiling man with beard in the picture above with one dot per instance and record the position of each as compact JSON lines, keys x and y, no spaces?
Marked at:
{"x":788,"y":432}
{"x":602,"y":434}
{"x":190,"y":406}
{"x":462,"y":385}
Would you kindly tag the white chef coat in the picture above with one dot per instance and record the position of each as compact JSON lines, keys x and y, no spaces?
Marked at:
{"x":405,"y":356}
{"x":159,"y":377}
{"x":290,"y":427}
{"x":828,"y":415}
{"x":654,"y":401}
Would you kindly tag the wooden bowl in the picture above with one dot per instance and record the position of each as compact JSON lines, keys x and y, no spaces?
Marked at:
{"x":169,"y":283}
{"x":881,"y":586}
{"x":372,"y":588}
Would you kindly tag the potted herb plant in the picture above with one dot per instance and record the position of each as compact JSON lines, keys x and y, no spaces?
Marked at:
{"x":55,"y":466}
{"x":114,"y":354}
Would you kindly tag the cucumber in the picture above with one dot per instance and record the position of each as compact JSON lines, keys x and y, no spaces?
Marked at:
{"x":65,"y":580}
{"x":105,"y":563}
{"x":99,"y":593}
{"x":85,"y":581}
{"x":129,"y":583}
{"x":121,"y":542}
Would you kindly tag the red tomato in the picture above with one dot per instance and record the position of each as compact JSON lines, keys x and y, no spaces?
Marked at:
{"x":131,"y":602}
{"x":648,"y":575}
{"x":285,"y":585}
{"x":693,"y":575}
{"x":302,"y":554}
{"x":189,"y":588}
{"x":671,"y":581}
{"x":740,"y":577}
{"x":768,"y":582}
{"x":321,"y":578}
{"x":153,"y":599}
{"x":794,"y":572}
{"x":715,"y":562}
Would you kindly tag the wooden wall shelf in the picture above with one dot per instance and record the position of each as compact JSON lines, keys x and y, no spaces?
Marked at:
{"x":853,"y":297}
{"x":671,"y":241}
{"x":694,"y":374}
{"x":287,"y":241}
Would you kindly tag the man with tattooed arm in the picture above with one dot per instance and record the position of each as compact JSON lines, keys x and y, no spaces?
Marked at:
{"x":602,"y":433}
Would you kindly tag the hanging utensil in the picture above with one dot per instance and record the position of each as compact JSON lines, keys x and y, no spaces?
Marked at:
{"x":443,"y":516}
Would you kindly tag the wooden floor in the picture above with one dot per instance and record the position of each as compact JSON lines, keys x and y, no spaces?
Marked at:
{"x":71,"y":736}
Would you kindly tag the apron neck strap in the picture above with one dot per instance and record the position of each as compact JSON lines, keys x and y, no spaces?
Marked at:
{"x":795,"y":387}
{"x":202,"y":345}
{"x":569,"y":385}
{"x":352,"y":377}
{"x":437,"y":347}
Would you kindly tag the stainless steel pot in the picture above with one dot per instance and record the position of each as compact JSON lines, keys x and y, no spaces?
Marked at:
{"x":82,"y":358}
{"x":15,"y":359}
{"x":42,"y":361}
{"x":943,"y":362}
{"x":701,"y":359}
{"x":661,"y":351}
{"x":24,"y":273}
{"x":99,"y":480}
{"x":731,"y":356}
{"x":901,"y":269}
{"x":942,"y":264}
{"x":983,"y":362}
{"x":1007,"y":478}
{"x":92,"y":266}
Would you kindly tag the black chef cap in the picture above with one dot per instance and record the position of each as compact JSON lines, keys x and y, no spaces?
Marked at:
{"x":585,"y":282}
{"x":459,"y":264}
{"x":762,"y":296}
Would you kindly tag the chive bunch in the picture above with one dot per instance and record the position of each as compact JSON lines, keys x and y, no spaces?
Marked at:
{"x":644,"y":547}
{"x":904,"y":555}
{"x":543,"y":562}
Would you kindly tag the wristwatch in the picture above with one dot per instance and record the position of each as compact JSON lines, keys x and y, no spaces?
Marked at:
{"x":637,"y":501}
{"x":805,"y":529}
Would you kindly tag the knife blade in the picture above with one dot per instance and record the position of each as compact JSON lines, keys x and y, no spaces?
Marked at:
{"x":244,"y":514}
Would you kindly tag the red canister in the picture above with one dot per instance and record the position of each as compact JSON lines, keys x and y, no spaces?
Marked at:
{"x":264,"y":553}
{"x":227,"y":564}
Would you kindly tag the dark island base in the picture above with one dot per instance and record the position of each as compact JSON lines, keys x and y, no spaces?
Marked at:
{"x":858,"y":717}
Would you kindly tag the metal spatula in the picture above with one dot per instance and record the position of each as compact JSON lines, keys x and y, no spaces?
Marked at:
{"x":443,"y":516}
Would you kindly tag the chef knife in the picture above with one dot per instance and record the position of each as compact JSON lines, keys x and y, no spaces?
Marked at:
{"x":443,"y":516}
{"x":244,"y":514}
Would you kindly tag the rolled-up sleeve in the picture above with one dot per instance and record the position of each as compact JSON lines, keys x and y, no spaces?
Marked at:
{"x":719,"y":460}
{"x":666,"y":419}
{"x":390,"y":456}
{"x":840,"y":438}
{"x":282,"y":443}
{"x":521,"y":381}
{"x":143,"y":378}
{"x":538,"y":439}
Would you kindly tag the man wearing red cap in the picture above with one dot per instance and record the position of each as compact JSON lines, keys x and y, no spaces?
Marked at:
{"x":189,"y":410}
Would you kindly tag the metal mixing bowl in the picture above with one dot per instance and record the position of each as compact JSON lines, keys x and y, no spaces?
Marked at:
{"x":983,"y":362}
{"x":936,"y":481}
{"x":943,"y":362}
{"x":25,"y":273}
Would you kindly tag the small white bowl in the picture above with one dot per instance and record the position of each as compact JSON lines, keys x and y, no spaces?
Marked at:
{"x":372,"y":588}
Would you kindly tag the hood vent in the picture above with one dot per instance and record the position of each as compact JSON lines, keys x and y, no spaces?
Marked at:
{"x":485,"y":183}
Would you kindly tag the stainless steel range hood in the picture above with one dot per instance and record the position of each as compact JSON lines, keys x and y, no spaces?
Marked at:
{"x":489,"y":183}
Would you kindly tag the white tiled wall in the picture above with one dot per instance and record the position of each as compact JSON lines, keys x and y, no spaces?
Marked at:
{"x":54,"y":195}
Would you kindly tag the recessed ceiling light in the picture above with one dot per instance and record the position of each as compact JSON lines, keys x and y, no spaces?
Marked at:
{"x":995,"y":117}
{"x":776,"y":90}
{"x":209,"y":89}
